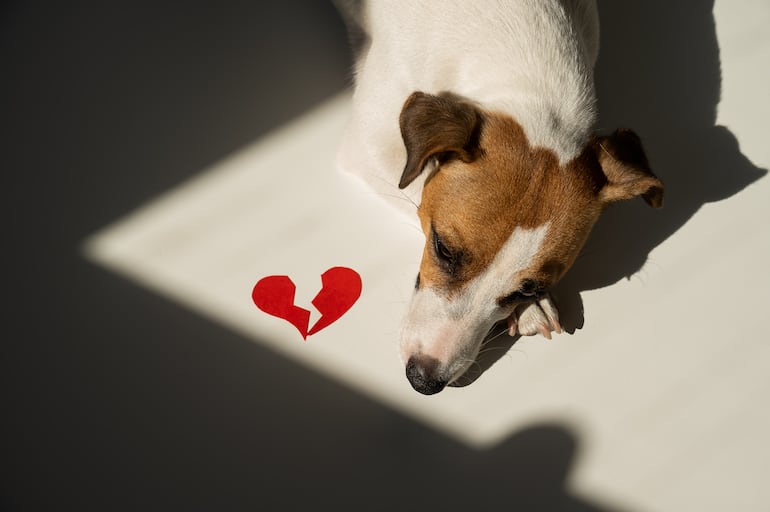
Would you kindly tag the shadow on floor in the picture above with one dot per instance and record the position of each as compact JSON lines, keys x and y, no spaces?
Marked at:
{"x":117,"y":399}
{"x":658,"y":74}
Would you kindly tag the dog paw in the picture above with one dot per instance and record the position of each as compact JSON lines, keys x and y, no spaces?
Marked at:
{"x":539,"y":317}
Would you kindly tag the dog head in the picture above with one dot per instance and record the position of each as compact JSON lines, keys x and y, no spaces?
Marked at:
{"x":503,"y":221}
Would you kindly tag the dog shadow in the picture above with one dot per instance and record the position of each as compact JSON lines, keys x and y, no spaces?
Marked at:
{"x":659,"y":74}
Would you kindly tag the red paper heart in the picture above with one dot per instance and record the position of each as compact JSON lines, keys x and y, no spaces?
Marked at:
{"x":275,"y":296}
{"x":341,"y":287}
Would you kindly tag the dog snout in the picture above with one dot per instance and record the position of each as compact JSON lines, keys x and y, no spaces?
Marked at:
{"x":423,"y":375}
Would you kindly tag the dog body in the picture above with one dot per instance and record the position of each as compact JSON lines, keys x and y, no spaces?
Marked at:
{"x":485,"y":111}
{"x":528,"y":59}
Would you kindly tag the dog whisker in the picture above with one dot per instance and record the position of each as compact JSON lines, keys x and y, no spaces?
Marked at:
{"x":402,"y":195}
{"x":490,"y":145}
{"x":507,"y":351}
{"x":494,"y":337}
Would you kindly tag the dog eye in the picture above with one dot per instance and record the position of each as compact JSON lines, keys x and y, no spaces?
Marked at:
{"x":450,"y":258}
{"x":528,"y":288}
{"x":527,"y":291}
{"x":443,"y":253}
{"x":441,"y":250}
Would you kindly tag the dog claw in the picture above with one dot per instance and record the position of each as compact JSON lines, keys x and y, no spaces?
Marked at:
{"x":512,"y":326}
{"x":551,"y":313}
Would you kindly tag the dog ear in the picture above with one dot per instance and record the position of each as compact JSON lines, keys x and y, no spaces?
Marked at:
{"x":442,"y":126}
{"x":628,"y":173}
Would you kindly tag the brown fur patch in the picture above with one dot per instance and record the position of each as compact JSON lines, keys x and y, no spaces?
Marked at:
{"x":491,"y":181}
{"x":435,"y":126}
{"x":475,"y":206}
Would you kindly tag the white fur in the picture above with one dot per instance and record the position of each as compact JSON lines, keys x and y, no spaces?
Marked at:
{"x":531,"y":59}
{"x":450,"y":329}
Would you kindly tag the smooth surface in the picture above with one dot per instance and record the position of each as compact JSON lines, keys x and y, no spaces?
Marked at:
{"x":658,"y":364}
{"x":654,"y":404}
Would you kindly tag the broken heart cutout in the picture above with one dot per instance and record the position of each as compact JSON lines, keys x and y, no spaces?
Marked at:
{"x":341,"y":288}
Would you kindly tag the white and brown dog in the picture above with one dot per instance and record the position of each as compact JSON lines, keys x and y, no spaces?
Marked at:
{"x":486,"y":109}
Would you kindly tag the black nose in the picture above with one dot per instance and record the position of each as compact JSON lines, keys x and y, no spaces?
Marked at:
{"x":422,"y":373}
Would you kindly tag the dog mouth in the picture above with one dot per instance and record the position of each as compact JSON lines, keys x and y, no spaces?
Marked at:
{"x":493,"y":346}
{"x":454,"y":352}
{"x":428,"y":376}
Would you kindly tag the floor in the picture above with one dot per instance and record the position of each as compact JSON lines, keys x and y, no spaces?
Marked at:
{"x":148,"y":190}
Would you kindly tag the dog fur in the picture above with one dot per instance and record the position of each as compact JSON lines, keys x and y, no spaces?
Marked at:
{"x":484,"y":112}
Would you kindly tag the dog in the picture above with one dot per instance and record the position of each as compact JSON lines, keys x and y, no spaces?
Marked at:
{"x":485,"y":110}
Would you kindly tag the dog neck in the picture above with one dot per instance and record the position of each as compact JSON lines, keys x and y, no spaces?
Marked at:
{"x":505,"y":56}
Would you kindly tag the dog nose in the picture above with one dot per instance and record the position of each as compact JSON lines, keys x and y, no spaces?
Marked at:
{"x":422,"y":374}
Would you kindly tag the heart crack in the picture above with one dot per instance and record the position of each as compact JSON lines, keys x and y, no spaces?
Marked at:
{"x":340,"y":289}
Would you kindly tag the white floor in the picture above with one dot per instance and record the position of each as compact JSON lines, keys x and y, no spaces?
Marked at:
{"x":667,"y":382}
